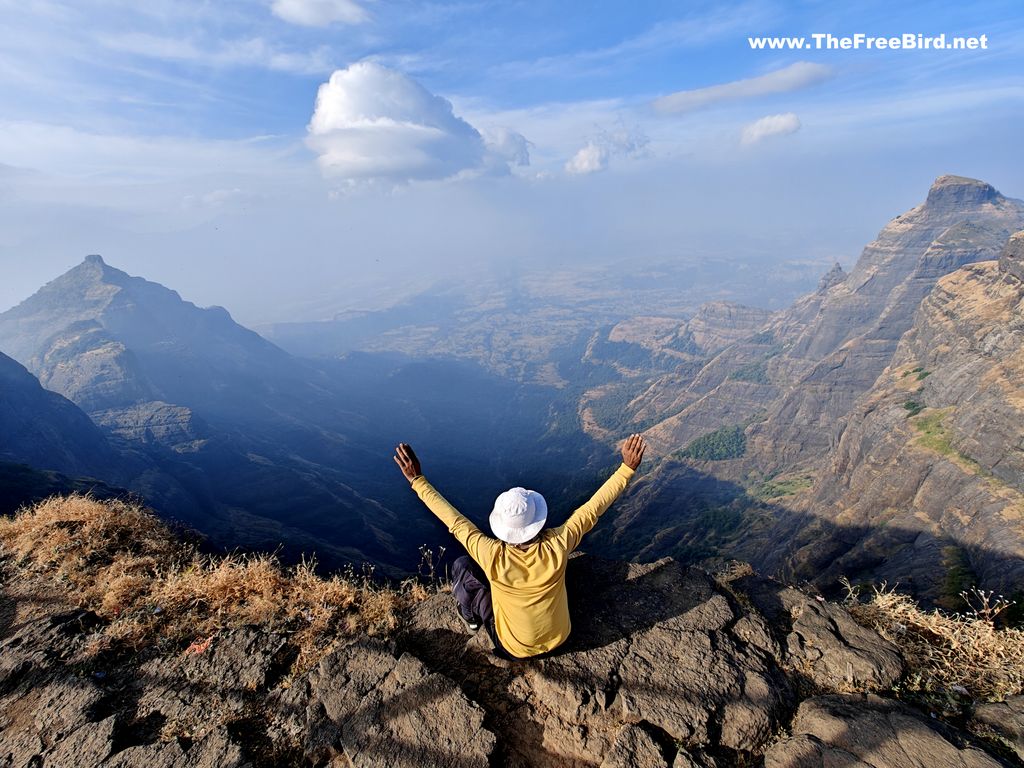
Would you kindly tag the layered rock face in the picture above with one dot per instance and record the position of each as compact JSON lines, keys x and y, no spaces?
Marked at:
{"x":846,"y":346}
{"x":878,"y":480}
{"x":928,"y":476}
{"x":811,"y":361}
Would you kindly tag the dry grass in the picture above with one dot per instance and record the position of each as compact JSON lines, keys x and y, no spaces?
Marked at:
{"x":119,"y":560}
{"x":963,"y":654}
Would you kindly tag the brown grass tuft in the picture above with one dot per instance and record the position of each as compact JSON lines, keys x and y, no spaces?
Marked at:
{"x":963,"y":654}
{"x":117,"y":559}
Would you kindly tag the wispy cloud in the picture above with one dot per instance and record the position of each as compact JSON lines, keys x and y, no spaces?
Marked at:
{"x":801,"y":74}
{"x":320,"y":13}
{"x":698,"y":29}
{"x":249,"y":52}
{"x":69,"y":153}
{"x":770,"y":125}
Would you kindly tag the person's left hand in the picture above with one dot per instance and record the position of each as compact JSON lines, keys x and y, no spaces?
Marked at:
{"x":407,"y":461}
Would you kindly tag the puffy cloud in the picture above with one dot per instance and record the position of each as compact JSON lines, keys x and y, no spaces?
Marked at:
{"x":792,"y":78}
{"x":594,"y":156}
{"x":590,"y":159}
{"x":319,"y":13}
{"x":770,"y":125}
{"x":374,"y":124}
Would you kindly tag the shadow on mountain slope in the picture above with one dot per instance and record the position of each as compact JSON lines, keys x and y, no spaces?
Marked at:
{"x":694,"y":517}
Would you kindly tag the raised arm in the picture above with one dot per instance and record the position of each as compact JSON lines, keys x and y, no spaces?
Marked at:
{"x":584,"y":518}
{"x":478,"y":545}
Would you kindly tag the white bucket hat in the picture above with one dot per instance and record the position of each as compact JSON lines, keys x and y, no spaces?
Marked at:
{"x":518,"y":515}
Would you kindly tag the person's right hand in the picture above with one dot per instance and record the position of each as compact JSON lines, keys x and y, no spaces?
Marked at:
{"x":407,"y":461}
{"x":633,"y":450}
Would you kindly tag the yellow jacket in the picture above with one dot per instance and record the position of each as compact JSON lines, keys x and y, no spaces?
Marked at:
{"x":531,"y":608}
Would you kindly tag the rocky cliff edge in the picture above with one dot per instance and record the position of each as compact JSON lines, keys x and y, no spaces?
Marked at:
{"x":666,"y":666}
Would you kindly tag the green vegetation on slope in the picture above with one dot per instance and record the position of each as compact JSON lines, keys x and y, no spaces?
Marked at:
{"x":756,"y":373}
{"x":913,"y":407}
{"x":724,"y":443}
{"x":612,"y":412}
{"x":776,"y":488}
{"x":934,"y":435}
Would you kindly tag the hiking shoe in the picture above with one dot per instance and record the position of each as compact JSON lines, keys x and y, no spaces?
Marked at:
{"x":472,"y":622}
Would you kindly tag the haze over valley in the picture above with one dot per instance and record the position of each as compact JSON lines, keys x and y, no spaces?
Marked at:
{"x":771,"y":428}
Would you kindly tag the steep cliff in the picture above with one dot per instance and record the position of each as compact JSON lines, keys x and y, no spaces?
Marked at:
{"x":812,"y":360}
{"x":927,"y":479}
{"x":807,"y":447}
{"x":843,"y":349}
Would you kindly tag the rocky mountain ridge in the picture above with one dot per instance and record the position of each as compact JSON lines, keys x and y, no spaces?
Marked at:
{"x":929,"y":463}
{"x":829,"y":443}
{"x":810,"y":361}
{"x":44,"y":429}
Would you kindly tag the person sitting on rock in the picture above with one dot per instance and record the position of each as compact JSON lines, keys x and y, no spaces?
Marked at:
{"x":526,"y":608}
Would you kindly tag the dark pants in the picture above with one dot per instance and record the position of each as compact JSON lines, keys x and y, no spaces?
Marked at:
{"x":473,"y":594}
{"x":471,"y":590}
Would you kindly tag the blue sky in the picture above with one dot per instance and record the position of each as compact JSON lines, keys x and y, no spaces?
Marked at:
{"x":261,"y":154}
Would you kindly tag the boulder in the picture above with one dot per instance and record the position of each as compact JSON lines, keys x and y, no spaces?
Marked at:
{"x":869,"y":731}
{"x":654,"y":645}
{"x":822,"y":641}
{"x":380,"y":709}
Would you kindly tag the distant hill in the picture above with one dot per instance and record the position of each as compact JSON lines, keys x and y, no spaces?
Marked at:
{"x":259,"y":448}
{"x":216,"y":409}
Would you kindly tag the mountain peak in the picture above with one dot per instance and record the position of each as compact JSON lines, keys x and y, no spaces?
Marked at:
{"x":834,"y":276}
{"x":957,"y":191}
{"x":94,"y":258}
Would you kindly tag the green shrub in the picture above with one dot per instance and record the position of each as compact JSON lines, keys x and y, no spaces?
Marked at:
{"x":913,"y":407}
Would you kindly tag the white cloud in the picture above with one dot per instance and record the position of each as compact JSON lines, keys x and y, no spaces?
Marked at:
{"x":590,"y":159}
{"x":374,"y":124}
{"x":770,"y":125}
{"x":792,"y":78}
{"x":319,"y":13}
{"x":594,"y":156}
